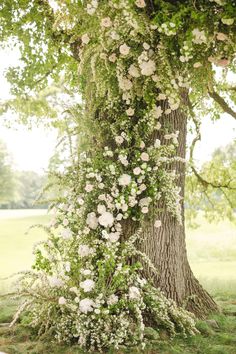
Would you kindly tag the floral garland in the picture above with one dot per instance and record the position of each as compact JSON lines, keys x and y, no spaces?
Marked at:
{"x":85,"y":288}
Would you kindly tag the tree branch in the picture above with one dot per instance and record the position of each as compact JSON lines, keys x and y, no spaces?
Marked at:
{"x":222,"y":103}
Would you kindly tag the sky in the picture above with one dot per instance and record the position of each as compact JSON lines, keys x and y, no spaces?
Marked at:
{"x":32,"y":149}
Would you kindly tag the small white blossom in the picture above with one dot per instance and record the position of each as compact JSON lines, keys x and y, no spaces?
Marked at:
{"x":119,"y":140}
{"x":134,"y":293}
{"x":106,"y":22}
{"x":85,"y":38}
{"x":157,"y":223}
{"x":130,"y":112}
{"x":134,"y":71}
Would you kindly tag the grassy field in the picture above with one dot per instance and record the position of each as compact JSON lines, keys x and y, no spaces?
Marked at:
{"x":212,"y":255}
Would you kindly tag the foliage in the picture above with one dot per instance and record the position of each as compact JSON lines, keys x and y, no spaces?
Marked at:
{"x":7,"y":181}
{"x":137,"y":62}
{"x":215,"y":192}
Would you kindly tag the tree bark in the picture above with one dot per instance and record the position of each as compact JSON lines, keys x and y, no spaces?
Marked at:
{"x":166,"y":247}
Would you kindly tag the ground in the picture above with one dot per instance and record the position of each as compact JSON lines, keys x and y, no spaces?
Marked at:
{"x":212,"y":254}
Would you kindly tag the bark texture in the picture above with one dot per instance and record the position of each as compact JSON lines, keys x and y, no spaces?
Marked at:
{"x":166,"y":245}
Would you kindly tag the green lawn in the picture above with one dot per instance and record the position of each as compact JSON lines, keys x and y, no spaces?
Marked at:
{"x":15,"y":243}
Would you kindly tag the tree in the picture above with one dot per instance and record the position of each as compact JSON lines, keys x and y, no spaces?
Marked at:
{"x":213,"y":189}
{"x":144,"y":66}
{"x":6,"y":176}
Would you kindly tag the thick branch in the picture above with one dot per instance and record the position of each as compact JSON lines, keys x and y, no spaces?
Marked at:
{"x":222,"y":103}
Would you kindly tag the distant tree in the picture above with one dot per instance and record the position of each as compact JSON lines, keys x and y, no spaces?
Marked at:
{"x":7,"y":181}
{"x":213,"y":188}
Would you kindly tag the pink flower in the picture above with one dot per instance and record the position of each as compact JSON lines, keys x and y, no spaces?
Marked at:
{"x":140,"y":3}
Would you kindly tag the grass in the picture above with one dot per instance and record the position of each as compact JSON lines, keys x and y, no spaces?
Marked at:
{"x":212,"y":255}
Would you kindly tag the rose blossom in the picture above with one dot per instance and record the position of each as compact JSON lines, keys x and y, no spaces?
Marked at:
{"x":144,"y":156}
{"x":137,"y":171}
{"x":106,"y":219}
{"x":134,"y":71}
{"x":86,"y":305}
{"x":147,"y":67}
{"x":114,"y":237}
{"x":124,"y":49}
{"x":88,"y":187}
{"x":124,"y":180}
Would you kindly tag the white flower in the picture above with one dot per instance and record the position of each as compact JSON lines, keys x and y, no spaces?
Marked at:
{"x":56,"y":282}
{"x":114,"y":237}
{"x":106,"y":219}
{"x":144,"y":210}
{"x":86,"y":271}
{"x":85,"y":38}
{"x":124,"y":180}
{"x":125,"y":84}
{"x":142,"y":145}
{"x":130,"y":112}
{"x":87,"y":285}
{"x":227,"y":21}
{"x":85,"y":250}
{"x":101,"y":208}
{"x":88,"y":187}
{"x":147,"y":67}
{"x":119,"y":140}
{"x":61,"y":300}
{"x":106,"y":22}
{"x":112,"y":58}
{"x":161,"y":96}
{"x":157,"y":223}
{"x":80,"y":201}
{"x":86,"y":305}
{"x":92,"y":221}
{"x":134,"y":71}
{"x":199,"y":36}
{"x":112,"y":300}
{"x":66,"y":234}
{"x":140,"y":3}
{"x":124,"y":49}
{"x":134,"y":293}
{"x":137,"y":171}
{"x":144,"y":156}
{"x":157,"y":112}
{"x":157,"y":143}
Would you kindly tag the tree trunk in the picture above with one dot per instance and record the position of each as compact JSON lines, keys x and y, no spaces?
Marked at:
{"x":166,"y":245}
